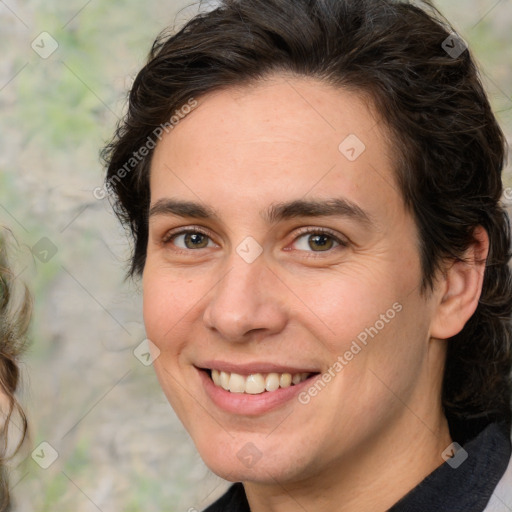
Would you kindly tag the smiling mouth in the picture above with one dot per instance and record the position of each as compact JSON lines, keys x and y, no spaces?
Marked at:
{"x":256,"y":383}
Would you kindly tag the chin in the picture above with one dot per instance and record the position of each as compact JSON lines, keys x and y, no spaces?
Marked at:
{"x":248,"y":458}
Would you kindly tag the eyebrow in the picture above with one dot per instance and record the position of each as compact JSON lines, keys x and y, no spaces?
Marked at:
{"x":332,"y":207}
{"x":181,"y":209}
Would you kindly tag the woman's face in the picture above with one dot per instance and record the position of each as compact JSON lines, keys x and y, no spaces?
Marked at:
{"x":279,"y":248}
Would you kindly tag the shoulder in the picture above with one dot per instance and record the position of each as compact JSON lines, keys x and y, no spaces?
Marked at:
{"x":501,"y":499}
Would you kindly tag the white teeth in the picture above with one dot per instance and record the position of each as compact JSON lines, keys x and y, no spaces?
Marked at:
{"x":256,"y":383}
{"x":236,"y":383}
{"x":285,"y":380}
{"x":272,"y":382}
{"x":224,"y":380}
{"x":296,"y":378}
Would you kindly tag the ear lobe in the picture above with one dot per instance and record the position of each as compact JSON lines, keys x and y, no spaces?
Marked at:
{"x":460,"y":288}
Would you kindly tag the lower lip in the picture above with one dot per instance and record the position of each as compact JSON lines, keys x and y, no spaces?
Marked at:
{"x":247,"y":404}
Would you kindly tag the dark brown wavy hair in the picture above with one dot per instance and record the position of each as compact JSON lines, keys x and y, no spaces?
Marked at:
{"x":14,"y":321}
{"x":450,"y":150}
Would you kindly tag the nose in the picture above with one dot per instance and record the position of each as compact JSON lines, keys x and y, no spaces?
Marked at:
{"x":249,"y":299}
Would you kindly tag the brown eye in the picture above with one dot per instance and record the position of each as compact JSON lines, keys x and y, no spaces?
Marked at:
{"x":190,"y":240}
{"x":317,"y":241}
{"x":195,"y":240}
{"x":320,"y":242}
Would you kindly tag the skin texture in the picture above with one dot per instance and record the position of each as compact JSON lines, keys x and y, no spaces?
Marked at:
{"x":377,"y":429}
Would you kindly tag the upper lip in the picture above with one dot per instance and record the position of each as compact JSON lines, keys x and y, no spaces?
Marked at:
{"x":255,"y":367}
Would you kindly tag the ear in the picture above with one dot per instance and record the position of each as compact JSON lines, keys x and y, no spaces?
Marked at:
{"x":460,"y":288}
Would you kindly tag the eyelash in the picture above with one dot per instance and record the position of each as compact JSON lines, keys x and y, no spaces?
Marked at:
{"x":303,"y":231}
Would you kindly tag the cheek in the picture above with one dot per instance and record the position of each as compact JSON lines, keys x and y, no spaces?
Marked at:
{"x":343,"y":306}
{"x":391,"y":354}
{"x":166,"y":302}
{"x":154,"y":306}
{"x":374,"y":327}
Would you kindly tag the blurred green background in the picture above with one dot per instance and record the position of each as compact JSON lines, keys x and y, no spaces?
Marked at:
{"x":119,"y":445}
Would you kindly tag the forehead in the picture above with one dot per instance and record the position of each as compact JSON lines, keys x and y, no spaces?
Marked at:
{"x":285,"y":137}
